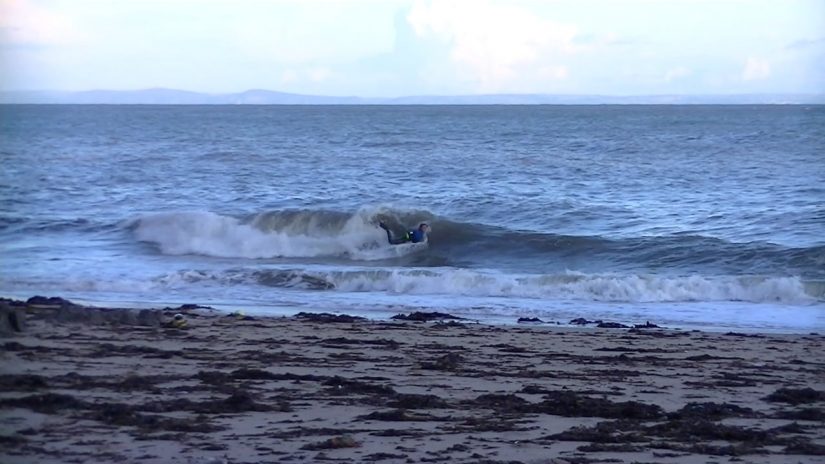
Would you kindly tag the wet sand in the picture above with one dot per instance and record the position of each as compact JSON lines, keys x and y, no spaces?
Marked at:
{"x":97,"y":385}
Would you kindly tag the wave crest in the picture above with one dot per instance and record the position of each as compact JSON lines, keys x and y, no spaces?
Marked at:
{"x":276,"y":234}
{"x":335,"y":235}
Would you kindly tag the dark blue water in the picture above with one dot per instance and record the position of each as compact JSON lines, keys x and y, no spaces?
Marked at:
{"x":709,"y":216}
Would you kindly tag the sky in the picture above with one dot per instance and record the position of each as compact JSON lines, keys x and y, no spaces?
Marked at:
{"x":394,"y":48}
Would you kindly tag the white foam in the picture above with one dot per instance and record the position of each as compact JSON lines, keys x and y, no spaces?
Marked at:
{"x":210,"y":234}
{"x":572,"y":286}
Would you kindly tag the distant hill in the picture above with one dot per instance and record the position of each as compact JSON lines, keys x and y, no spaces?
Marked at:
{"x":171,"y":97}
{"x":161,"y":96}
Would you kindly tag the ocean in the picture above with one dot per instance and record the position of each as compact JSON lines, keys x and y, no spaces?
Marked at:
{"x":695,"y":217}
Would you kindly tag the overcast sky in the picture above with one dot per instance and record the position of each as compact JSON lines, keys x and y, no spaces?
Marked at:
{"x":395,"y":48}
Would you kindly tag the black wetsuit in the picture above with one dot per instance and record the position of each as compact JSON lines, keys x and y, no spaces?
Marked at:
{"x":413,"y":236}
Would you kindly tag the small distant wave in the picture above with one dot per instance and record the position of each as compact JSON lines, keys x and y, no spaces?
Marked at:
{"x":27,"y":225}
{"x":627,"y":288}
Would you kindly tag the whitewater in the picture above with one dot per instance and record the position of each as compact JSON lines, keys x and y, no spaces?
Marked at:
{"x":704,"y":217}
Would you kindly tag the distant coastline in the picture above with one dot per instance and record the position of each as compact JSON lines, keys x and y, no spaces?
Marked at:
{"x":161,"y":96}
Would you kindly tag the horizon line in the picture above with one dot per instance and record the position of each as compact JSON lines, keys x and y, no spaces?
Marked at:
{"x":172,"y":96}
{"x":515,"y":94}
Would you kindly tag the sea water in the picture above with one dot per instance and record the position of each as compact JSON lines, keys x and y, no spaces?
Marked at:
{"x":706,"y":217}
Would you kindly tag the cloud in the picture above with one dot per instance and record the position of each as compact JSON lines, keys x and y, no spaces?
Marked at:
{"x":494,"y":43}
{"x":315,"y":74}
{"x":298,"y":33}
{"x":319,"y":74}
{"x":553,"y":72}
{"x":756,"y":69}
{"x":677,"y":73}
{"x":805,"y":43}
{"x":22,"y":22}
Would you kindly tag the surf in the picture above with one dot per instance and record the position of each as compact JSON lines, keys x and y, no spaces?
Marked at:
{"x":567,"y":286}
{"x":272,"y":234}
{"x":332,"y":235}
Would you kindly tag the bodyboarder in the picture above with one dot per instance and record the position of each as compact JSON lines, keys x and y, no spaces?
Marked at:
{"x":412,"y":236}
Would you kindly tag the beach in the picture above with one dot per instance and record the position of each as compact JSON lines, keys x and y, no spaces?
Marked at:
{"x":106,"y":385}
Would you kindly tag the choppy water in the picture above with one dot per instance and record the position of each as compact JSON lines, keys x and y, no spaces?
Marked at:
{"x":692,"y":216}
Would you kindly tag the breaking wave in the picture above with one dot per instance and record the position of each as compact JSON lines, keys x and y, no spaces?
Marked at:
{"x":322,"y":235}
{"x":278,"y":234}
{"x":566,"y":286}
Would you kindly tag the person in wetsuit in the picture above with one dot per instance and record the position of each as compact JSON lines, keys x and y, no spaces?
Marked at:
{"x":412,"y":236}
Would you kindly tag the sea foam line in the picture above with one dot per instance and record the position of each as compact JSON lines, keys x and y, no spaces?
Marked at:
{"x":567,"y":286}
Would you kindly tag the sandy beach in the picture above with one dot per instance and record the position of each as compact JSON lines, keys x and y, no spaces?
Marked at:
{"x":102,"y":385}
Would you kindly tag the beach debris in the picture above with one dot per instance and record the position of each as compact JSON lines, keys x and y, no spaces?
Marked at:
{"x":448,"y":362}
{"x":492,"y":423}
{"x":611,"y":325}
{"x":341,"y":385}
{"x":106,"y":349}
{"x":571,"y":404}
{"x":419,"y":316}
{"x":568,"y":404}
{"x":796,"y":396}
{"x":47,"y":403}
{"x":149,"y":318}
{"x":417,"y":401}
{"x":609,"y":448}
{"x":178,"y":322}
{"x":659,"y":333}
{"x":602,"y":432}
{"x":42,"y":301}
{"x":691,"y":436}
{"x":327,"y":317}
{"x":646,"y":325}
{"x":338,"y":341}
{"x":239,"y":315}
{"x":79,"y":315}
{"x":400,"y":415}
{"x":208,"y":460}
{"x":252,"y":374}
{"x":710,"y":410}
{"x":447,"y":324}
{"x":13,"y":303}
{"x":508,"y":348}
{"x":599,"y":323}
{"x":804,"y":414}
{"x":806,"y":447}
{"x":64,"y":311}
{"x":507,"y":403}
{"x":238,"y":401}
{"x":22,"y":382}
{"x":375,"y":457}
{"x":529,"y":320}
{"x":127,"y":415}
{"x":190,"y":307}
{"x":12,"y":320}
{"x":744,"y":335}
{"x":13,"y":346}
{"x":343,"y":441}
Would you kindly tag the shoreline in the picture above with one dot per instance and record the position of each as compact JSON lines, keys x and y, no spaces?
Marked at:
{"x":563,"y":317}
{"x":106,"y":385}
